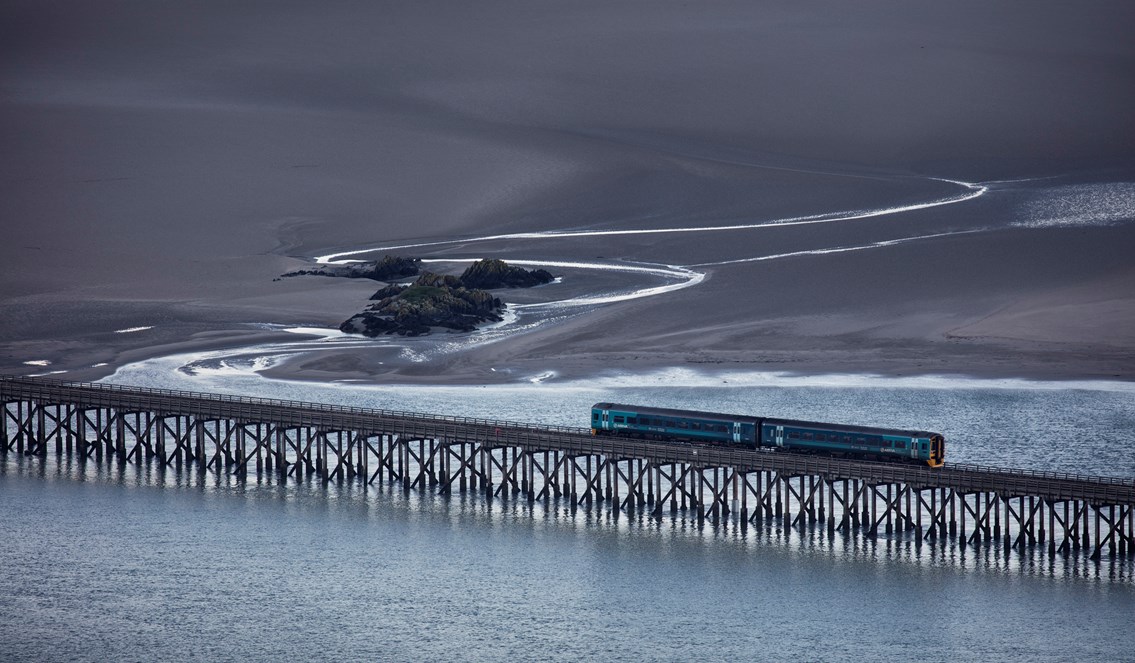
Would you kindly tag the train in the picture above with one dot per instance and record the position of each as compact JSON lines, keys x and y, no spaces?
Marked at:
{"x":711,"y":428}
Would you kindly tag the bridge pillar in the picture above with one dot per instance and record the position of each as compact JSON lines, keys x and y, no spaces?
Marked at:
{"x":548,"y":476}
{"x":905,"y":522}
{"x":120,"y":436}
{"x":847,"y":508}
{"x":866,"y":502}
{"x":615,"y":479}
{"x":41,"y":431}
{"x":81,"y":434}
{"x":918,"y":532}
{"x":997,"y":516}
{"x":1087,"y":510}
{"x":4,"y":440}
{"x":778,"y":509}
{"x":963,"y":503}
{"x":102,"y":433}
{"x":1098,"y":544}
{"x":735,"y":505}
{"x":890,"y":526}
{"x":68,"y":430}
{"x":1131,"y":530}
{"x":953,"y":513}
{"x":594,"y":480}
{"x":820,"y":513}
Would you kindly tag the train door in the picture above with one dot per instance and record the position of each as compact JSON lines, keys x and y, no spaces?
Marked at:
{"x":937,"y":451}
{"x":780,"y":436}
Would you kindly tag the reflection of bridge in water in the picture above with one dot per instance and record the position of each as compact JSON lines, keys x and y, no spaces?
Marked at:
{"x":955,"y":505}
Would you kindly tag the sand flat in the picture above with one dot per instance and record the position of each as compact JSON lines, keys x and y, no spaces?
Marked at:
{"x":161,"y":165}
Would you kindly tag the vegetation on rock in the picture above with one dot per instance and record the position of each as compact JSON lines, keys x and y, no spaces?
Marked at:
{"x":431,"y":301}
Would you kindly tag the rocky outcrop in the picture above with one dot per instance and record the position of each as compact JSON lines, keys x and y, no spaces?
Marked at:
{"x":432,"y":301}
{"x":390,"y":268}
{"x":492,"y":273}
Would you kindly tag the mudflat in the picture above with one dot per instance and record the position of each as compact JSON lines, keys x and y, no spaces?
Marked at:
{"x":881,"y":188}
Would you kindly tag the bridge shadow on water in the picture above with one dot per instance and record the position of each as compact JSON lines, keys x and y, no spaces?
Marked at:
{"x":800,"y":535}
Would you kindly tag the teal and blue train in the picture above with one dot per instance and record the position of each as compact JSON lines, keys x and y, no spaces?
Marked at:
{"x":689,"y":426}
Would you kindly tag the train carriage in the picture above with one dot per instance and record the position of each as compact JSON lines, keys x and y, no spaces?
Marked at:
{"x":841,"y":439}
{"x":676,"y":425}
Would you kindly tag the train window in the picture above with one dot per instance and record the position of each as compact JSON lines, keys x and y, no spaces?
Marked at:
{"x":619,"y":420}
{"x":900,"y":445}
{"x":595,"y":416}
{"x":861,"y":440}
{"x":884,"y":443}
{"x":924,"y":446}
{"x":695,"y":426}
{"x":670,"y":424}
{"x":659,"y":423}
{"x":807,"y":436}
{"x":794,"y":435}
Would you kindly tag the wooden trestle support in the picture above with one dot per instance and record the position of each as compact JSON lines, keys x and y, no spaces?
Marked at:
{"x":832,"y":496}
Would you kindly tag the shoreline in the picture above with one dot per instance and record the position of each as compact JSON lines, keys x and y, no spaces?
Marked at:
{"x":699,"y":371}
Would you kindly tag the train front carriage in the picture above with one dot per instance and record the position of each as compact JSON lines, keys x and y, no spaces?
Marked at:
{"x":813,"y":437}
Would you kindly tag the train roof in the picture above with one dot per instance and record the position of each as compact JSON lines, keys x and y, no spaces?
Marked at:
{"x":849,"y":427}
{"x":645,"y":409}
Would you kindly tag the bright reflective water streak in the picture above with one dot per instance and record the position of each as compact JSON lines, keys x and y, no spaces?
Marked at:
{"x":973,"y":191}
{"x":1098,"y":204}
{"x":840,"y":249}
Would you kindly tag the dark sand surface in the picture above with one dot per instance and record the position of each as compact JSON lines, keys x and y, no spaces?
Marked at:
{"x":161,"y":164}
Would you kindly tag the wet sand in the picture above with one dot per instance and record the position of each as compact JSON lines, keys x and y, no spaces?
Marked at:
{"x":161,"y":166}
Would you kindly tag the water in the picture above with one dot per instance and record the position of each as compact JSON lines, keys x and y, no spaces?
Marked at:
{"x":108,"y":564}
{"x":137,"y":563}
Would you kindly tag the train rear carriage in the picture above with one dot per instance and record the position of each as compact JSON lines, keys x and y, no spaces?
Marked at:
{"x":671,"y":424}
{"x":917,"y":446}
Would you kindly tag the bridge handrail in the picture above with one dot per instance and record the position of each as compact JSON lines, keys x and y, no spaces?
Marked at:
{"x":274,"y":402}
{"x":41,"y":383}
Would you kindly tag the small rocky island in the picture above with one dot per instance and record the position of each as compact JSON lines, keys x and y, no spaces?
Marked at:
{"x":432,"y":301}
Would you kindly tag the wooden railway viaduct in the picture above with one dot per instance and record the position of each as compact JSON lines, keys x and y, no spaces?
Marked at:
{"x":956,"y":505}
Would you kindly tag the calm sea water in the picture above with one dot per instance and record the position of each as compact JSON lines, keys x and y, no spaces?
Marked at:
{"x":102,"y":564}
{"x":138,"y":564}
